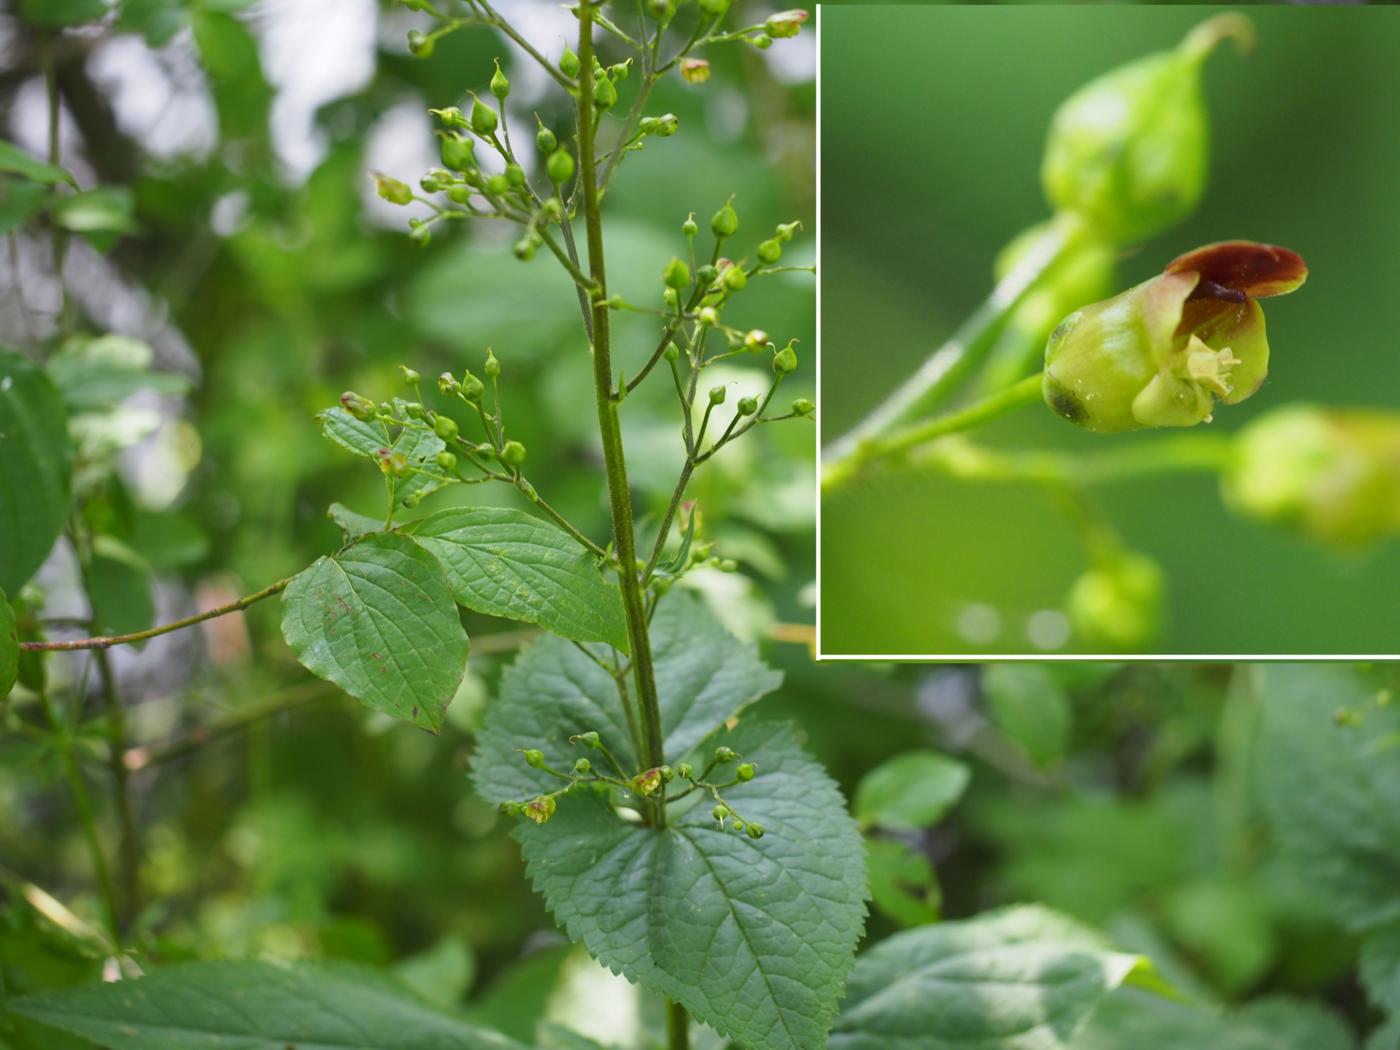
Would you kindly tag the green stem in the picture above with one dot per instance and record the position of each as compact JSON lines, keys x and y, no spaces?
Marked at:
{"x":609,"y":426}
{"x":106,"y":641}
{"x":945,"y":369}
{"x":677,"y":1027}
{"x":1026,"y":392}
{"x":129,"y":844}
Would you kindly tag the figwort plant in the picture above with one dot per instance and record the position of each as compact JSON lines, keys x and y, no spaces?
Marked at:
{"x":1125,"y":159}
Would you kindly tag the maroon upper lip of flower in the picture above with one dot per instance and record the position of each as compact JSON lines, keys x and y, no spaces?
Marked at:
{"x":1234,"y":271}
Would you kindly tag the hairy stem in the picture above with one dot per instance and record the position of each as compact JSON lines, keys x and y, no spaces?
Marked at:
{"x":108,"y":640}
{"x":609,"y":427}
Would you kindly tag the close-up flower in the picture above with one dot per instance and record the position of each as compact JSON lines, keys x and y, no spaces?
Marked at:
{"x":1164,"y":352}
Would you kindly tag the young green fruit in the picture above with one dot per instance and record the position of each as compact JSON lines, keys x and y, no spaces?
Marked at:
{"x":513,"y":454}
{"x":1160,"y":354}
{"x":676,"y":274}
{"x":725,"y":222}
{"x":546,"y":141}
{"x":458,"y":152}
{"x":500,"y":86}
{"x":569,"y":63}
{"x":560,"y":166}
{"x":445,"y":427}
{"x":483,"y":118}
{"x":785,"y":361}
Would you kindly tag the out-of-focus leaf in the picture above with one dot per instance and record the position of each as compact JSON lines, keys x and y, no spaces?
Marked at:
{"x":16,"y":161}
{"x":1224,"y":924}
{"x":9,"y":647}
{"x":20,"y":200}
{"x":1131,"y":1020}
{"x":1380,"y":968}
{"x":912,"y":790}
{"x":1030,"y":707}
{"x":119,"y":586}
{"x":230,"y":55}
{"x":378,"y":620}
{"x":442,"y":974}
{"x":902,"y":882}
{"x":61,"y":12}
{"x":102,"y":215}
{"x":36,"y":468}
{"x":156,"y":20}
{"x":168,"y":540}
{"x":97,"y":373}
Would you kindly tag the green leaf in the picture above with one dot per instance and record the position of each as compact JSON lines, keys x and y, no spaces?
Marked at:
{"x":102,"y":215}
{"x":378,"y":621}
{"x":704,"y":675}
{"x":1331,"y":788}
{"x":366,"y":439}
{"x":96,"y":374}
{"x":15,"y":161}
{"x":1022,"y":978}
{"x":20,"y":200}
{"x":507,"y":563}
{"x":1030,"y":707}
{"x":903,"y":884}
{"x":754,"y":937}
{"x":9,"y":647}
{"x":256,"y":1006}
{"x":442,"y":974}
{"x":1130,"y":1020}
{"x":910,"y":791}
{"x":156,"y":20}
{"x":1380,"y":961}
{"x":36,"y":466}
{"x":119,"y":586}
{"x":353,"y":526}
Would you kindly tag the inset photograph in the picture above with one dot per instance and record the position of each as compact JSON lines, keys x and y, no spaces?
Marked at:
{"x":1107,"y":332}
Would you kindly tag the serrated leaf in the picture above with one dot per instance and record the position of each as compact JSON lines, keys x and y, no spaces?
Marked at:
{"x":1131,"y":1020}
{"x":1022,"y":978}
{"x":704,"y":675}
{"x":366,"y":439}
{"x":910,"y":791}
{"x":1029,"y":706}
{"x":754,"y":937}
{"x":1330,"y":788}
{"x":353,"y":526}
{"x":508,"y":563}
{"x":15,"y":161}
{"x":378,"y":621}
{"x":36,"y":466}
{"x":9,"y":647}
{"x":256,"y":1006}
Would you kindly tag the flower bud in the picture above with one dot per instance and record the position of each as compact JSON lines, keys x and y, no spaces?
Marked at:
{"x":685,"y":771}
{"x":458,"y":152}
{"x":552,"y":209}
{"x":497,"y":185}
{"x":718,"y":394}
{"x":785,"y":361}
{"x":513,"y":454}
{"x":754,"y":830}
{"x":646,"y":782}
{"x":447,"y":461}
{"x":1159,"y":354}
{"x":785,"y":230}
{"x":540,"y":809}
{"x":560,"y":166}
{"x":667,"y":774}
{"x":569,"y":63}
{"x":589,"y":739}
{"x":664,"y":126}
{"x":534,"y":757}
{"x":770,"y":251}
{"x":432,"y":181}
{"x":725,"y":754}
{"x":720,"y":812}
{"x":708,"y":316}
{"x":604,"y":93}
{"x":582,"y":765}
{"x":392,"y":190}
{"x":676,"y":274}
{"x":472,"y":389}
{"x":410,"y":377}
{"x":1330,"y":475}
{"x":500,"y":86}
{"x":362,"y":408}
{"x":690,"y":227}
{"x":546,"y":141}
{"x":725,"y":222}
{"x":1128,"y":151}
{"x":483,"y":118}
{"x":448,"y":385}
{"x":715,"y":8}
{"x":745,"y":771}
{"x":451,"y":116}
{"x":747,"y":406}
{"x":734,"y":278}
{"x":803,"y":407}
{"x":445,"y":427}
{"x":705,"y":273}
{"x":695,"y":71}
{"x":515,"y":175}
{"x":785,"y":23}
{"x":672,"y":352}
{"x":1117,"y":606}
{"x":762,"y":41}
{"x":420,"y":45}
{"x":492,"y":368}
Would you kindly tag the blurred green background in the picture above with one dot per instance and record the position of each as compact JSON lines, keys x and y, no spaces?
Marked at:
{"x":933,"y":125}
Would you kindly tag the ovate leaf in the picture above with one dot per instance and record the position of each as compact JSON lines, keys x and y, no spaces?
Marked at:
{"x":1331,"y":787}
{"x":353,"y":526}
{"x":256,"y":1006}
{"x":9,"y":647}
{"x":378,"y":621}
{"x":753,"y":936}
{"x":1030,"y":707}
{"x":36,"y":465}
{"x":1022,"y":978}
{"x":910,"y":791}
{"x":704,"y":675}
{"x":15,"y":161}
{"x":363,"y":438}
{"x":507,"y":563}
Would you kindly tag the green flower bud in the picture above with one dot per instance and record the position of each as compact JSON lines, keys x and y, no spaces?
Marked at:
{"x":667,"y":774}
{"x":546,"y":141}
{"x":747,"y":406}
{"x":685,"y":771}
{"x":620,"y":71}
{"x":725,"y":222}
{"x":582,"y":765}
{"x":718,"y":394}
{"x":459,"y":194}
{"x":458,"y":152}
{"x":392,"y":190}
{"x":762,"y":41}
{"x":513,"y":454}
{"x":706,"y":273}
{"x":785,"y":230}
{"x":1117,"y":605}
{"x":770,"y":251}
{"x":589,"y":739}
{"x":534,"y":757}
{"x":492,"y":368}
{"x":420,"y":44}
{"x":715,"y":8}
{"x":755,"y":339}
{"x":664,"y":126}
{"x":1159,"y":354}
{"x":497,"y":185}
{"x":604,"y":94}
{"x":445,"y":427}
{"x":515,"y":175}
{"x":785,"y":361}
{"x":414,"y":410}
{"x":646,"y":782}
{"x":720,"y":812}
{"x":448,"y":385}
{"x":695,"y":71}
{"x":745,"y":771}
{"x":432,"y":182}
{"x":483,"y":118}
{"x":725,"y":754}
{"x":560,"y":166}
{"x":708,"y":316}
{"x":690,"y":227}
{"x":754,"y":830}
{"x":452,"y":117}
{"x":676,"y":274}
{"x":447,"y":461}
{"x":509,"y":809}
{"x":410,"y":377}
{"x":785,"y":23}
{"x":1329,"y":475}
{"x":803,"y":407}
{"x":551,"y":209}
{"x":362,"y":408}
{"x":734,"y":278}
{"x":569,"y":63}
{"x":394,"y":463}
{"x":472,"y":391}
{"x":671,"y":353}
{"x":1128,"y":151}
{"x":500,"y":86}
{"x":540,"y":809}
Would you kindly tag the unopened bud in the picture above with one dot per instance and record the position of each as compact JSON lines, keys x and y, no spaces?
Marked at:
{"x":664,"y":126}
{"x":420,"y":45}
{"x":747,"y":406}
{"x":762,"y":41}
{"x":754,"y":830}
{"x":452,"y":117}
{"x":492,"y":368}
{"x":676,"y":274}
{"x":447,"y":461}
{"x":513,"y":454}
{"x":458,"y":152}
{"x":582,"y":765}
{"x":1118,"y":604}
{"x":717,"y":395}
{"x":803,"y":407}
{"x":500,"y":86}
{"x":392,"y":190}
{"x":735,"y":278}
{"x":569,"y":63}
{"x":472,"y":390}
{"x":685,"y":771}
{"x":534,"y":757}
{"x":745,"y":771}
{"x":589,"y":739}
{"x":362,"y":408}
{"x":720,"y":812}
{"x":695,"y":71}
{"x":546,"y":141}
{"x":725,"y":754}
{"x":604,"y":94}
{"x":672,"y":352}
{"x":483,"y":118}
{"x":725,"y":222}
{"x":445,"y":427}
{"x":690,"y":227}
{"x":560,"y":166}
{"x":785,"y":361}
